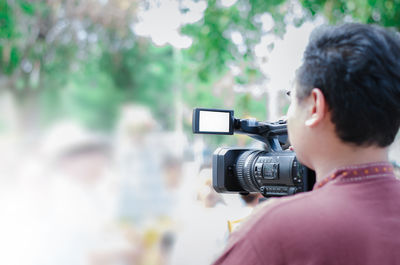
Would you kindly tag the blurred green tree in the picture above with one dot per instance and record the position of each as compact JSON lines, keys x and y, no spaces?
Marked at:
{"x":42,"y":42}
{"x":225,"y":38}
{"x":67,"y":58}
{"x":383,"y":12}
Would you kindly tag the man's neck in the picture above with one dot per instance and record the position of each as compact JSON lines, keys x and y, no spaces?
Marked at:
{"x":346,"y":155}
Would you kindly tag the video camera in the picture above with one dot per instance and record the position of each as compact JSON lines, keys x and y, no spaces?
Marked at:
{"x":272,"y":172}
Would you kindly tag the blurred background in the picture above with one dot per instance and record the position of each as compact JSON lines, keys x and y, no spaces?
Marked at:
{"x":98,"y":164}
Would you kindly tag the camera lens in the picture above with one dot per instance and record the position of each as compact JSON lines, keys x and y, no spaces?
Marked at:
{"x":256,"y":169}
{"x":246,"y":170}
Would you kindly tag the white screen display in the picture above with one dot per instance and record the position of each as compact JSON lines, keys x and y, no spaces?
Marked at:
{"x":214,"y":121}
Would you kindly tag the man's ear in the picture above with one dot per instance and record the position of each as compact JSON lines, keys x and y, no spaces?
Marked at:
{"x":318,"y":108}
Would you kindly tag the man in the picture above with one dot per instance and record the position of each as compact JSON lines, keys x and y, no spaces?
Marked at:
{"x":344,"y":114}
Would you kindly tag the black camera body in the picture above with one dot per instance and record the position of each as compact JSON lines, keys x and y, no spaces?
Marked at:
{"x":272,"y":172}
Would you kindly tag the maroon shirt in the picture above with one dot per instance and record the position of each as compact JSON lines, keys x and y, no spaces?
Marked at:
{"x":350,"y":217}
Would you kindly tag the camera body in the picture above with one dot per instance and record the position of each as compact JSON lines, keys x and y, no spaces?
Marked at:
{"x":272,"y":172}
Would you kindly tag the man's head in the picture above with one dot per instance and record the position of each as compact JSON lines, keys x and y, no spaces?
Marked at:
{"x":352,"y":72}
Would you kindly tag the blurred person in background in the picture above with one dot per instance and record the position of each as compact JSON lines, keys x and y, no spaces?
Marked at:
{"x":148,"y":167}
{"x":81,"y":222}
{"x":154,"y":179}
{"x":202,"y":230}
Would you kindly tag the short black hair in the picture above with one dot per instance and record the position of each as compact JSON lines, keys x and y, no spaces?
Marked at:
{"x":357,"y":68}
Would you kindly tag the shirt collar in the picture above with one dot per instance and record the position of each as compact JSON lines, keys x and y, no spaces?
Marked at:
{"x":358,"y":172}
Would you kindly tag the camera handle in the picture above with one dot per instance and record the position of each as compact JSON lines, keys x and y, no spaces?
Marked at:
{"x":274,"y":135}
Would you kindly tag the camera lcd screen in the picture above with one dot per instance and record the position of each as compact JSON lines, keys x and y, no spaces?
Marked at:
{"x":214,"y":121}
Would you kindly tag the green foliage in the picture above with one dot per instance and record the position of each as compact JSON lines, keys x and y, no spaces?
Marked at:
{"x":90,"y":96}
{"x":247,"y":106}
{"x":18,"y":24}
{"x":55,"y":64}
{"x":274,"y":8}
{"x":212,"y":45}
{"x":206,"y":61}
{"x":12,"y":61}
{"x":382,"y":12}
{"x":119,"y":67}
{"x":7,"y":23}
{"x":8,"y":52}
{"x":144,"y":73}
{"x":27,"y":7}
{"x":201,"y":95}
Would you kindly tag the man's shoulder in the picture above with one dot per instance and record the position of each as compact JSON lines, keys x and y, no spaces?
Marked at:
{"x":275,"y":213}
{"x":323,"y":210}
{"x":263,"y":233}
{"x":276,"y":208}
